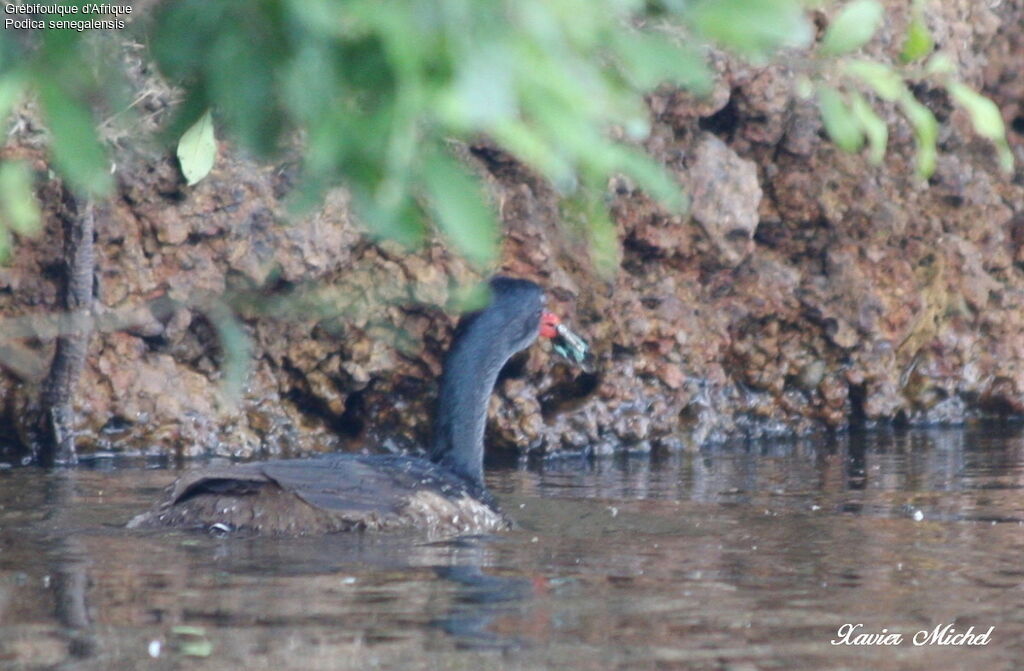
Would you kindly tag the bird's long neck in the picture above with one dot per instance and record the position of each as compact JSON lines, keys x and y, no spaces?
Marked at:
{"x":470,"y":372}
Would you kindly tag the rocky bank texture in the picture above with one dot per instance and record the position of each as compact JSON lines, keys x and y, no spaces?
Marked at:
{"x":806,"y":290}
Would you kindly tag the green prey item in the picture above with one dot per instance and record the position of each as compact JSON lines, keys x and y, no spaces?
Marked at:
{"x":572,"y":348}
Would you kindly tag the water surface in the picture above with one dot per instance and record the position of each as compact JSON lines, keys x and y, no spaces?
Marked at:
{"x":742,"y":558}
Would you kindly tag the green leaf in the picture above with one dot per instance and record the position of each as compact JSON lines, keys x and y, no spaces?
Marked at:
{"x":840,"y":122}
{"x":188,"y":630}
{"x":602,"y":235}
{"x":653,"y":59}
{"x":986,"y":119}
{"x":196,"y":648}
{"x":654,"y":178}
{"x":753,"y":27}
{"x":985,"y":115}
{"x":926,"y":133}
{"x":399,"y":221}
{"x":459,"y":209}
{"x":192,"y":641}
{"x":311,"y":83}
{"x":572,"y":135}
{"x":852,"y":28}
{"x":883,"y":80}
{"x":523,"y":141}
{"x":873,"y":126}
{"x":240,"y":76}
{"x":11,"y":86}
{"x":587,"y":212}
{"x":919,"y":42}
{"x":940,"y":64}
{"x":76,"y":150}
{"x":469,"y":297}
{"x":18,"y":202}
{"x":197,"y":150}
{"x":803,"y":87}
{"x":235,"y":348}
{"x":483,"y":91}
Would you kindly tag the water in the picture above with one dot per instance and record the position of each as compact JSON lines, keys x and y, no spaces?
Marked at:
{"x":744,"y":558}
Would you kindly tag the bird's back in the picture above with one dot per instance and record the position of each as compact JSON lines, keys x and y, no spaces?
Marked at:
{"x":325,"y":494}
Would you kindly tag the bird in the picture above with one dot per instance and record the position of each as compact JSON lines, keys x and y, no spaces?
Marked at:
{"x":443,"y":492}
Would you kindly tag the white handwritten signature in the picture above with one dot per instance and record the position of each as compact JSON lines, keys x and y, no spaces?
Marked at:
{"x":942,"y":634}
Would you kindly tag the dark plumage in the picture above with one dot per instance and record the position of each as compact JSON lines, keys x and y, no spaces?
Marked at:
{"x":344,"y":492}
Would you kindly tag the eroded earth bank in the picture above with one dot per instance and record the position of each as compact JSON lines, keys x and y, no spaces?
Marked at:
{"x":806,"y":290}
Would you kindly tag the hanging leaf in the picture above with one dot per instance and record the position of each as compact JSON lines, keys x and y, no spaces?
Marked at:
{"x":839,"y":120}
{"x":469,"y":297}
{"x":803,"y":86}
{"x":919,"y":42}
{"x":529,"y":147}
{"x":11,"y":87}
{"x":852,"y":28}
{"x":940,"y":64}
{"x":655,"y":179}
{"x":653,"y":59}
{"x":240,"y":76}
{"x":986,"y":119}
{"x":459,"y":208}
{"x":386,"y":217}
{"x":20,"y":209}
{"x":883,"y":80}
{"x":588,"y":210}
{"x":76,"y":150}
{"x":754,"y":27}
{"x":197,"y":149}
{"x":985,"y":115}
{"x":872,"y":125}
{"x":926,"y":133}
{"x":236,"y":350}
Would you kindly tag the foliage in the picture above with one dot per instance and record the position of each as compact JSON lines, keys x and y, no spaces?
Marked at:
{"x":18,"y":210}
{"x":197,"y":150}
{"x":381,"y":96}
{"x":380,"y":91}
{"x":850,"y":119}
{"x":852,"y":28}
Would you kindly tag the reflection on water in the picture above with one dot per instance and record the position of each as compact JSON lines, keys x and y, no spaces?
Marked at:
{"x":741,"y":558}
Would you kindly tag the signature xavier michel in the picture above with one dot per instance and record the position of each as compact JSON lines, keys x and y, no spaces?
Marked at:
{"x":942,"y":634}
